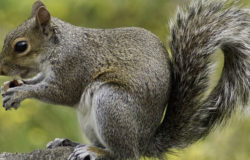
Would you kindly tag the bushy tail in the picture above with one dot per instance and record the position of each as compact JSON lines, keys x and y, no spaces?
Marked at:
{"x":197,"y":33}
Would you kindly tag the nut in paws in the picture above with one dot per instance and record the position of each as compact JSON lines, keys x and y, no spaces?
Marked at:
{"x":11,"y":95}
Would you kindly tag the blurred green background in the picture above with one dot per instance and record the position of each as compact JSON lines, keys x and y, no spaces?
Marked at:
{"x":35,"y":123}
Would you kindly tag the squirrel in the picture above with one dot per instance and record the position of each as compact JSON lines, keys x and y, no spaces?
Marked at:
{"x":133,"y":98}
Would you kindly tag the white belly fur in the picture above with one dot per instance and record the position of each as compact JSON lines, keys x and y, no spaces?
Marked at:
{"x":87,"y":113}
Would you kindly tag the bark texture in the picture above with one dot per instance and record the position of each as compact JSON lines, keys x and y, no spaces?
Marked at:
{"x":60,"y":153}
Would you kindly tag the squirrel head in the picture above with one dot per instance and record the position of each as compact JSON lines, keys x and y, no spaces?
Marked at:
{"x":26,"y":44}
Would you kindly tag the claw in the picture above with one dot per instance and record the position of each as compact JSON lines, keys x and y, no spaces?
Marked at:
{"x":82,"y":152}
{"x":11,"y":99}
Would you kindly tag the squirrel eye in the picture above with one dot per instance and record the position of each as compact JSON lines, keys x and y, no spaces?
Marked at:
{"x":21,"y":46}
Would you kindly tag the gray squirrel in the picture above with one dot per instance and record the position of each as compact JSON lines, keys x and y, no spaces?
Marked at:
{"x":122,"y":80}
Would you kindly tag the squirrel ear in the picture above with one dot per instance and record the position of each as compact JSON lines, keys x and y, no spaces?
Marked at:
{"x":36,"y":6}
{"x":43,"y":18}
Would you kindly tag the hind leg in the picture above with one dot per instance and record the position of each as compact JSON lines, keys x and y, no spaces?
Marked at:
{"x":112,"y":119}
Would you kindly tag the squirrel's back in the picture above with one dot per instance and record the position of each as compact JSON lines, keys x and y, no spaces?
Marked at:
{"x":134,"y":53}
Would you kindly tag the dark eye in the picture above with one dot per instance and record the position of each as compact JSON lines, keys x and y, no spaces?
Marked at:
{"x":21,"y":46}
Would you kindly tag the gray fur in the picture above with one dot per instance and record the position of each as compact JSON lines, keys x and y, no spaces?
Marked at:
{"x":121,"y":80}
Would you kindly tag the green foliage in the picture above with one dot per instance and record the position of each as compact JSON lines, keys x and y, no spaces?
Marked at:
{"x":36,"y":123}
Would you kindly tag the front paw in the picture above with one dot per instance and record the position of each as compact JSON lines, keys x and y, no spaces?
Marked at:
{"x":11,"y":94}
{"x":11,"y":100}
{"x":59,"y":142}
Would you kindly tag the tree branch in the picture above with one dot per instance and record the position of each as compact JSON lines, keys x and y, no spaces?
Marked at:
{"x":60,"y":153}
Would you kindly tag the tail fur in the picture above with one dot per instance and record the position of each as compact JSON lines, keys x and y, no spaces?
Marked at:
{"x":197,"y":33}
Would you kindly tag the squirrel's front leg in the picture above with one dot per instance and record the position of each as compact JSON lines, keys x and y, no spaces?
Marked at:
{"x":13,"y":92}
{"x":47,"y":90}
